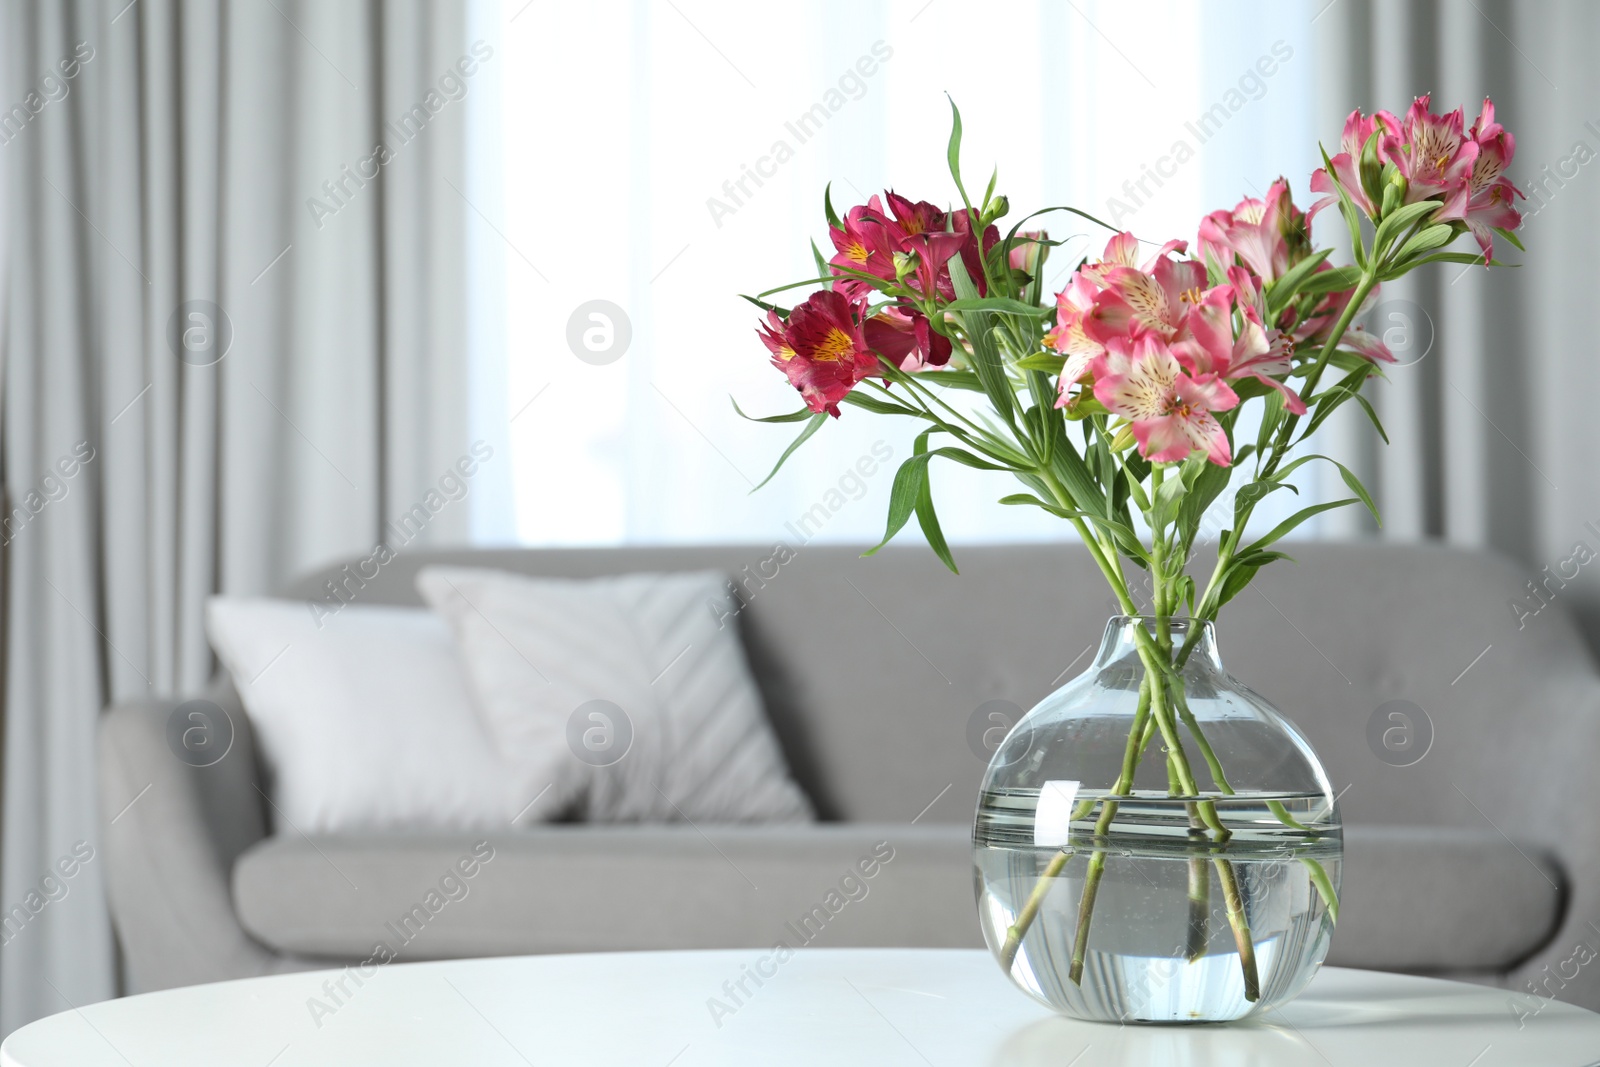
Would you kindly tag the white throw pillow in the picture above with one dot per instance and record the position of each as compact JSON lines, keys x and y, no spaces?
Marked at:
{"x":364,"y":721}
{"x":618,"y":699}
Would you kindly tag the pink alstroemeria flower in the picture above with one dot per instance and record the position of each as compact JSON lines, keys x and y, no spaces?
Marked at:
{"x":905,"y":339}
{"x":870,"y":239}
{"x":1491,"y":203}
{"x":1211,"y":347}
{"x":1027,"y":251}
{"x":1134,"y":301}
{"x":1069,"y":338}
{"x":1435,"y":156}
{"x":1347,"y":164}
{"x":864,"y":245}
{"x":1139,"y":300}
{"x":1170,"y":412}
{"x":821,"y":348}
{"x":1268,"y":235}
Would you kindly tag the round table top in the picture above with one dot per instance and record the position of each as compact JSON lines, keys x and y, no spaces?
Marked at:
{"x":916,"y":1007}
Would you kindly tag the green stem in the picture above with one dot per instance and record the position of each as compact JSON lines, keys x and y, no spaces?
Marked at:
{"x":1199,"y":928}
{"x":1241,"y":929}
{"x":1320,"y":879}
{"x":1097,"y":863}
{"x":1030,"y":910}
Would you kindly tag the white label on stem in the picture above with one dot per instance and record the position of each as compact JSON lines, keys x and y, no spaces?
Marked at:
{"x":1052,"y":820}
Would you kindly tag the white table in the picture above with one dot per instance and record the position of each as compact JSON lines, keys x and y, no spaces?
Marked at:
{"x":825,"y":1006}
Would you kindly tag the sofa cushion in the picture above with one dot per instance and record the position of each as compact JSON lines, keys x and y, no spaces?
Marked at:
{"x":619,"y":699}
{"x":1432,"y":899}
{"x":1419,"y":899}
{"x":569,"y":888}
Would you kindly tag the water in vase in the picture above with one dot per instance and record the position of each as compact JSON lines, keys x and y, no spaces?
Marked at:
{"x":1160,"y":944}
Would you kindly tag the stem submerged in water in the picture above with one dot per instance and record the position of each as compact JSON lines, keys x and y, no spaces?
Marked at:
{"x":1241,"y":929}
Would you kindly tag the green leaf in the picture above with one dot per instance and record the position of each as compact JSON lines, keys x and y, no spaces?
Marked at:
{"x":1272,"y":413}
{"x":1060,"y":207}
{"x":986,"y":361}
{"x":783,"y":313}
{"x":811,"y":427}
{"x":1030,"y":499}
{"x":1071,"y":471}
{"x":1464,"y":258}
{"x":954,"y":379}
{"x":1241,"y":571}
{"x":1516,"y":242}
{"x":1001,"y":305}
{"x":1366,"y":405}
{"x":1347,"y":208}
{"x":912,"y":494}
{"x":966,"y":459}
{"x":827,"y":207}
{"x":822,"y":264}
{"x":1294,"y":520}
{"x":1355,"y":486}
{"x":1168,"y":499}
{"x":1425,"y":240}
{"x":928,"y":519}
{"x":1345,"y":473}
{"x":1330,"y":281}
{"x":1045,"y":361}
{"x":988,"y":194}
{"x":1209,"y":482}
{"x":1280,"y":292}
{"x":1396,"y":223}
{"x":809,"y":281}
{"x":953,"y":153}
{"x":793,"y":416}
{"x":879,"y":406}
{"x":909,"y":482}
{"x":1328,"y":401}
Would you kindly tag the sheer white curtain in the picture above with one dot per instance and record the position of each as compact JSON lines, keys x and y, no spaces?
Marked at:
{"x":654,"y":156}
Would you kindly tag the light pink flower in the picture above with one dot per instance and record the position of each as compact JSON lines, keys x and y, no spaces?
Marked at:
{"x":1347,"y":164}
{"x":1269,"y":235}
{"x":1135,"y":293}
{"x":1211,"y":346}
{"x":1170,"y":411}
{"x":1068,"y":338}
{"x":1491,"y":196}
{"x":1435,"y":155}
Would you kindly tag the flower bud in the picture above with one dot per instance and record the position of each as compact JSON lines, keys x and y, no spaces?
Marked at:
{"x":995,"y":209}
{"x":905,"y":264}
{"x":1393,"y":197}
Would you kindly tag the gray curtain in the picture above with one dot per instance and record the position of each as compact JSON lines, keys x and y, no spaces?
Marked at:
{"x":165,"y":160}
{"x":1489,"y":430}
{"x":1492,"y":430}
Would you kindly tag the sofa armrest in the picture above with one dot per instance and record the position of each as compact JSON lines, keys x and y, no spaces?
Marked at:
{"x":172,"y":833}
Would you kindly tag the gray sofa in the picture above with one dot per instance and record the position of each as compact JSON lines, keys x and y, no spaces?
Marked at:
{"x":1479,"y":862}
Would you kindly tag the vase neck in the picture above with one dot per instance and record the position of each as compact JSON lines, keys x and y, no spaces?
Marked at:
{"x":1127,"y":634}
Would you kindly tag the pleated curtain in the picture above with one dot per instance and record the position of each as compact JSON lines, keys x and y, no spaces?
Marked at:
{"x":1491,"y":419}
{"x":232,"y":349}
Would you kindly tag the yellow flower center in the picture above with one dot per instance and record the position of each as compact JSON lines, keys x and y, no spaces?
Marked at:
{"x":1190,"y":295}
{"x":834,"y":347}
{"x":857,"y":251}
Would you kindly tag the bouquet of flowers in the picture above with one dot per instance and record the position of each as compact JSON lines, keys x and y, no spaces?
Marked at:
{"x":1115,"y":402}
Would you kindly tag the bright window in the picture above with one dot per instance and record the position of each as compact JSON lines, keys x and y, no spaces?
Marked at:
{"x":664,"y":157}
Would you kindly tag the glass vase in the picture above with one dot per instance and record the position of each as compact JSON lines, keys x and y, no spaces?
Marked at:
{"x":1156,"y":843}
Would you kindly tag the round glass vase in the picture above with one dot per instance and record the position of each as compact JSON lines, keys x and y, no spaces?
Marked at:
{"x":1156,"y":843}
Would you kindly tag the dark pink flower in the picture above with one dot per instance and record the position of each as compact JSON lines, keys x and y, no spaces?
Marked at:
{"x":821,"y":348}
{"x":904,"y":338}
